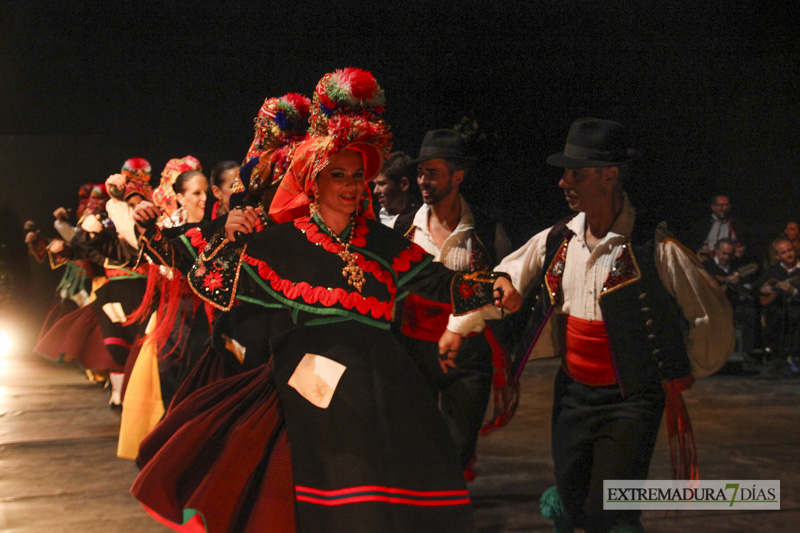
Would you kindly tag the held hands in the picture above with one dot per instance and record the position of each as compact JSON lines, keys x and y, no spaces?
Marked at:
{"x":92,"y":224}
{"x":56,"y":246}
{"x":506,"y":296}
{"x":242,"y":221}
{"x":145,"y":214}
{"x":449,"y":344}
{"x":60,"y":214}
{"x":115,"y":184}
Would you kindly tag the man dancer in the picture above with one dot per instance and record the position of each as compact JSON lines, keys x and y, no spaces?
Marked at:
{"x":392,"y":190}
{"x":463,"y":240}
{"x":613,"y":289}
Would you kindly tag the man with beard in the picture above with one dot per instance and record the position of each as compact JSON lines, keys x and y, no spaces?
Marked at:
{"x":613,"y":293}
{"x":467,"y":241}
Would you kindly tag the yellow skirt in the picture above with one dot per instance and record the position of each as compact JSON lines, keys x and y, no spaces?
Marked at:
{"x":143,"y":406}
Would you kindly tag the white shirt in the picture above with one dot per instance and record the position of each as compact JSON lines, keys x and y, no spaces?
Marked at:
{"x":387,"y":219}
{"x":719,"y":229}
{"x":456,"y":248}
{"x":702,"y":301}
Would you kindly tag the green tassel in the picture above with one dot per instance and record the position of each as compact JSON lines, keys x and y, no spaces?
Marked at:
{"x":552,"y":508}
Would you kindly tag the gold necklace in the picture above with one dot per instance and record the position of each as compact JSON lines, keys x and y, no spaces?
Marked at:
{"x":351,"y":271}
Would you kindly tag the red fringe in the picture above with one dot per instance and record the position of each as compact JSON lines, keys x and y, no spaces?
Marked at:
{"x":142,"y":313}
{"x":505,"y":388}
{"x":682,"y":448}
{"x":170,"y":293}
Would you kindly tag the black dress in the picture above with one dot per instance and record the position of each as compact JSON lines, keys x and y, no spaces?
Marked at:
{"x":368,"y":448}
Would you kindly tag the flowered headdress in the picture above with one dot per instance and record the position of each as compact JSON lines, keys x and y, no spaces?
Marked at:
{"x":96,"y":203}
{"x":137,"y":172}
{"x":280,"y":123}
{"x":84,"y":192}
{"x":346,"y":91}
{"x":345,"y":114}
{"x":164,"y":195}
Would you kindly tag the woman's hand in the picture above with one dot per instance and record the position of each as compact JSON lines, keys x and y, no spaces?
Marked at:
{"x":241,"y":220}
{"x":506,"y":296}
{"x":145,"y":214}
{"x":449,"y":344}
{"x":92,"y":224}
{"x":115,"y":184}
{"x":61,"y":214}
{"x":56,"y":246}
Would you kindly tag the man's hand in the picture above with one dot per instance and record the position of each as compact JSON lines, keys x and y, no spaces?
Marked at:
{"x":506,"y":296}
{"x":31,"y":237}
{"x":145,"y":214}
{"x":734,"y":279}
{"x":786,"y":287}
{"x":449,"y":344}
{"x":241,"y":220}
{"x":92,"y":224}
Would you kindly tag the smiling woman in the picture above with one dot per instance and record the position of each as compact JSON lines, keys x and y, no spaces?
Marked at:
{"x":330,"y":424}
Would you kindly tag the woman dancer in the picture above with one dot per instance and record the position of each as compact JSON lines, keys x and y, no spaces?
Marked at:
{"x":338,"y":431}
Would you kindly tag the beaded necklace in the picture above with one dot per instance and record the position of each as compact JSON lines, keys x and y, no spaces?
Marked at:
{"x":351,"y":271}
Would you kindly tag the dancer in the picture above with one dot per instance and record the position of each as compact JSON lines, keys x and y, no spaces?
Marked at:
{"x":339,"y":429}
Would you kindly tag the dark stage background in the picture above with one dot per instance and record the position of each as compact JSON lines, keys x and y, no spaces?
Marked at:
{"x":708,"y":90}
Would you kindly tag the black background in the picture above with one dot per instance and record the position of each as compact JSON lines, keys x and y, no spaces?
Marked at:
{"x":708,"y":90}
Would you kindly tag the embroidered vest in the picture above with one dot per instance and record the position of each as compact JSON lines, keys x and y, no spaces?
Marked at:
{"x":642,"y":320}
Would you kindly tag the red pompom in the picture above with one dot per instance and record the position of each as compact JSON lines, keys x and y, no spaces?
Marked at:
{"x":362,"y":83}
{"x":300,"y":102}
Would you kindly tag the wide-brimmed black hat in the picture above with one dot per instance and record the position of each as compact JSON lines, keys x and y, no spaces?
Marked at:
{"x":594,"y":142}
{"x":445,"y":144}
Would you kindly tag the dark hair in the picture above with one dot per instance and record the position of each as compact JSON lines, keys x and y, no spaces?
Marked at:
{"x":398,"y":166}
{"x":715,"y":197}
{"x":221,"y":167}
{"x":726,"y":240}
{"x":454,"y":165}
{"x":182,"y":178}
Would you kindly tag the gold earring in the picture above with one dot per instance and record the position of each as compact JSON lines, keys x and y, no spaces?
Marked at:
{"x":313,"y":207}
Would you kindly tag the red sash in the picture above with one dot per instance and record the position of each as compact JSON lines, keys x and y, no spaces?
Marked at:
{"x":588,"y":353}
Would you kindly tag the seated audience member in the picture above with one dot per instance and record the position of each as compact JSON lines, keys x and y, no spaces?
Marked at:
{"x":780,"y":305}
{"x":393,"y":193}
{"x":718,"y":226}
{"x":791,"y":232}
{"x":736,"y":277}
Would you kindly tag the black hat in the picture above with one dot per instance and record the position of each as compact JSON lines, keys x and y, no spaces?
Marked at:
{"x":445,"y":144}
{"x":594,"y":142}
